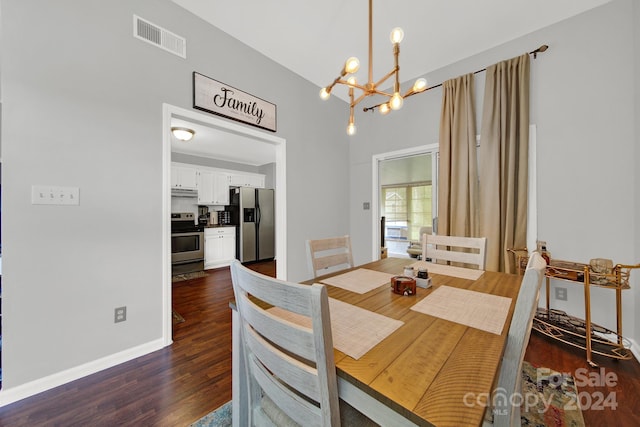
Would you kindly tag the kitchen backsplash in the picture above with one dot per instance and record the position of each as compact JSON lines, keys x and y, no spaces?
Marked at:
{"x":189,"y":204}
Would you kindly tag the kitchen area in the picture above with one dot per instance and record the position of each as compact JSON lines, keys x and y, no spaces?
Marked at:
{"x":218,"y":215}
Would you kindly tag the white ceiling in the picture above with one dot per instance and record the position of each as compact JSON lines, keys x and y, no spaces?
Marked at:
{"x":313,"y":39}
{"x":217,"y":144}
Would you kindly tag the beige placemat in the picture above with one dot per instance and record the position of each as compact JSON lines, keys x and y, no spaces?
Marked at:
{"x":470,"y":308}
{"x":355,"y":330}
{"x":449,"y":270}
{"x":360,"y":281}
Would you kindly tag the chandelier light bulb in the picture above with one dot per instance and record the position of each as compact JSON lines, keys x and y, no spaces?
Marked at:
{"x":352,"y":65}
{"x":324,"y":94}
{"x":351,"y":129}
{"x":384,"y":108}
{"x":352,"y":80}
{"x":420,"y":85}
{"x":397,"y":35}
{"x":396,"y":101}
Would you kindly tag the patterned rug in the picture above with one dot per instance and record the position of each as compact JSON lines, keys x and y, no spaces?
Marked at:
{"x":187,"y":276}
{"x":221,"y":417}
{"x":555,"y":398}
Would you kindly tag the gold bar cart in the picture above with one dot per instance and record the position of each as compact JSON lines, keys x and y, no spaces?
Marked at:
{"x":583,"y":333}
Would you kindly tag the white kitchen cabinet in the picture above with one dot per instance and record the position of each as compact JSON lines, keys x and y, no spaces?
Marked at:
{"x":219,"y":246}
{"x":213,"y":188}
{"x":184,"y":177}
{"x":220,"y":188}
{"x":247,"y":180}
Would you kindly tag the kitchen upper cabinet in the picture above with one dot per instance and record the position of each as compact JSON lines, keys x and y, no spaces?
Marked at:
{"x":213,"y":188}
{"x":184,"y":177}
{"x":246,"y":180}
{"x":219,"y":246}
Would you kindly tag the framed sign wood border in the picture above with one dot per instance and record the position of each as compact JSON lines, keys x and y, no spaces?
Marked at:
{"x":224,"y":100}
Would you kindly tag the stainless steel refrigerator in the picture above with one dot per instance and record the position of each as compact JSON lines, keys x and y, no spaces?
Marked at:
{"x":253,"y":214}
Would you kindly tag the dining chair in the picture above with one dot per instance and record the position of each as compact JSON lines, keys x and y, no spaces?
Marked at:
{"x":291,"y":373}
{"x":415,"y":246}
{"x":329,"y":255}
{"x":510,"y":376}
{"x":466,"y":250}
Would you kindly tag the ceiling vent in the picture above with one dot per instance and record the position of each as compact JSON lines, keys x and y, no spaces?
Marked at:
{"x":158,"y":36}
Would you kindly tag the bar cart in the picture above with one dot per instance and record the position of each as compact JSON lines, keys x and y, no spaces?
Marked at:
{"x":583,"y":333}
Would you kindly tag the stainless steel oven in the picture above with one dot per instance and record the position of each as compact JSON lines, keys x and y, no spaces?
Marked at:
{"x":187,"y":244}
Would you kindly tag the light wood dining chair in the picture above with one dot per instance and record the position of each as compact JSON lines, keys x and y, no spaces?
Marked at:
{"x":415,"y":246}
{"x":291,"y":373}
{"x":465,"y":250}
{"x":510,"y":376}
{"x":329,"y":255}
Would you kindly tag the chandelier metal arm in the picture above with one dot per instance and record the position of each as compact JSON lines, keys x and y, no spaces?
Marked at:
{"x":353,"y":85}
{"x":385,"y":78}
{"x":369,"y":93}
{"x":396,"y":69}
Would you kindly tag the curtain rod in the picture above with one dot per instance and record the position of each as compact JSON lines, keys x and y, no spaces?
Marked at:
{"x":535,"y":53}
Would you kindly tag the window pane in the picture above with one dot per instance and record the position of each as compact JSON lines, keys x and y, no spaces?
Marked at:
{"x":420,"y":214}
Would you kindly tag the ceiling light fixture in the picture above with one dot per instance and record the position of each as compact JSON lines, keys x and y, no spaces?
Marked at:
{"x":183,"y":134}
{"x":352,"y":65}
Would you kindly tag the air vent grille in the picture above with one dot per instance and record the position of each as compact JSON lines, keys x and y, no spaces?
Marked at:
{"x":158,"y":36}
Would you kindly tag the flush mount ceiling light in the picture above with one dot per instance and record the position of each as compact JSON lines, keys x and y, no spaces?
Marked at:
{"x":183,"y":134}
{"x":351,"y":66}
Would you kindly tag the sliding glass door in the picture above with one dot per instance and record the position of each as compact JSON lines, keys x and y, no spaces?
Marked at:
{"x":407,"y":185}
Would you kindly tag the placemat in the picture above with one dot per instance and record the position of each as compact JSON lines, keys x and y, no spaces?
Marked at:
{"x":355,"y":330}
{"x":360,"y":281}
{"x":470,"y":308}
{"x":449,"y":270}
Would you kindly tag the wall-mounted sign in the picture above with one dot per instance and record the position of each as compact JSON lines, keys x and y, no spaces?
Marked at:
{"x":218,"y":98}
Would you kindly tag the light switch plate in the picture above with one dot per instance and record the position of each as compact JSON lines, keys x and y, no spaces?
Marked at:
{"x":52,"y":195}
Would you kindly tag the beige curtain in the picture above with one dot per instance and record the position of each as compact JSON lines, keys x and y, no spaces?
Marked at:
{"x":504,"y":147}
{"x":458,"y":173}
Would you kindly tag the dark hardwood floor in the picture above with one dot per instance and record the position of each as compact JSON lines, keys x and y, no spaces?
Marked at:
{"x":615,"y":404}
{"x":174,"y":386}
{"x":178,"y":385}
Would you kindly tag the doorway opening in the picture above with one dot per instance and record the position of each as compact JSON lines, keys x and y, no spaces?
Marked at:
{"x":231,"y":131}
{"x":405,"y":193}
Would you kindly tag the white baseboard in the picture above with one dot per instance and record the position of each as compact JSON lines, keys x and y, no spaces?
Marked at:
{"x":31,"y":388}
{"x":635,"y":349}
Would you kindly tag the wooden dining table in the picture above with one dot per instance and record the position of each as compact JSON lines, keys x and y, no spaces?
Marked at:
{"x":429,"y":371}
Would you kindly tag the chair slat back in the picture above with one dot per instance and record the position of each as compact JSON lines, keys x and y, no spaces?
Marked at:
{"x":465,"y":250}
{"x":518,"y":337}
{"x":328,"y":255}
{"x":291,"y":364}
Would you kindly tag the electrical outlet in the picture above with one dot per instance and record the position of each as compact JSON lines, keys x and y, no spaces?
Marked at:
{"x":120,"y":314}
{"x":561,"y":294}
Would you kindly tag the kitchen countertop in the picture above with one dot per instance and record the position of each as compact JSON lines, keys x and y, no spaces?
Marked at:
{"x":218,"y":226}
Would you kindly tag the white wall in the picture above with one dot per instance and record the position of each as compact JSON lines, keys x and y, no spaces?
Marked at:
{"x":584,"y":91}
{"x":82,"y":106}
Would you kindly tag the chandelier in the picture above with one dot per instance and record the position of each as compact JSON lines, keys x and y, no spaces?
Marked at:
{"x":394,"y":100}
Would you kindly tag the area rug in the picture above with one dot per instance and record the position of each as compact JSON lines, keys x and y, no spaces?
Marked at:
{"x":551,"y":398}
{"x":221,"y":417}
{"x":187,"y":276}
